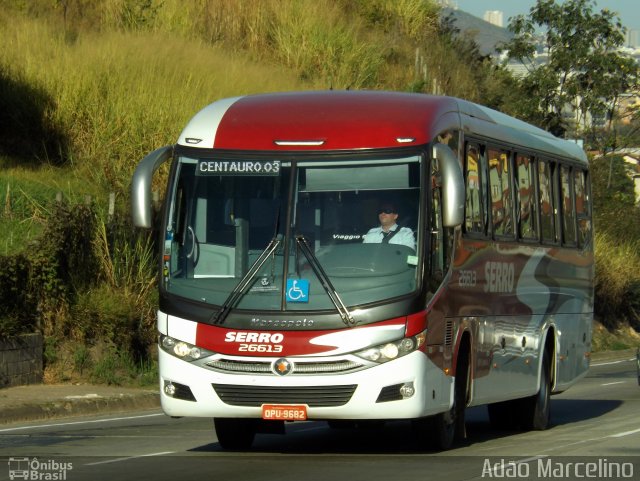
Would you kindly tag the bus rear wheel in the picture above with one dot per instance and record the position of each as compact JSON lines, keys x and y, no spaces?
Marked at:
{"x":535,"y":411}
{"x":529,"y":413}
{"x":234,"y":433}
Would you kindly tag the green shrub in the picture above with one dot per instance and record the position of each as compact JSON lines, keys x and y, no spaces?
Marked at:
{"x":18,"y":299}
{"x":118,"y":367}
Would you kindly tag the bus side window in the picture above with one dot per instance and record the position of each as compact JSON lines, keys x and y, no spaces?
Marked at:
{"x":568,"y":210}
{"x":527,"y":207}
{"x":474,"y":211}
{"x":501,"y":193}
{"x":582,"y":207}
{"x":547,"y":208}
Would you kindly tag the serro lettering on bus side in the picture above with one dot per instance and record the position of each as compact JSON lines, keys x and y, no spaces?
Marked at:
{"x":499,"y":276}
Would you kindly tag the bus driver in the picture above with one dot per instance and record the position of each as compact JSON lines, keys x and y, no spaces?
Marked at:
{"x":389,"y":232}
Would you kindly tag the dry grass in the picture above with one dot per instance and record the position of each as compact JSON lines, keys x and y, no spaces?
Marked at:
{"x":120,"y":95}
{"x":617,"y":283}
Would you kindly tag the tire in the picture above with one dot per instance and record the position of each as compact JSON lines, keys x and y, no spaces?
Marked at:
{"x":235,"y":434}
{"x":535,"y":411}
{"x":443,"y":430}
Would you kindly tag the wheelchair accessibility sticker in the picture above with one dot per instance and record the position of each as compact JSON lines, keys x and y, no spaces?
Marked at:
{"x":297,"y":290}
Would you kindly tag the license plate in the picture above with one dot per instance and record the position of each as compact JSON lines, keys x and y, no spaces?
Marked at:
{"x":284,"y":412}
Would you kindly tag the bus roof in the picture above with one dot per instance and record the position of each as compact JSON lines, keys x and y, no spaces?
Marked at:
{"x":353,"y":120}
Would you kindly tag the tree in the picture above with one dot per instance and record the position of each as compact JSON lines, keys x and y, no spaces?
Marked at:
{"x":585,"y":73}
{"x":614,"y":200}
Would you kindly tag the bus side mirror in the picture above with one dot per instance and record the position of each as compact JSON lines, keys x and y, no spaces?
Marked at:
{"x":453,"y":196}
{"x":141,"y":185}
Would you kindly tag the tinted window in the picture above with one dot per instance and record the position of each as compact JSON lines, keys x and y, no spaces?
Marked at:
{"x":582,"y":207}
{"x":474,"y":218}
{"x":547,"y":209}
{"x":527,"y":205}
{"x":568,"y":213}
{"x":501,"y":202}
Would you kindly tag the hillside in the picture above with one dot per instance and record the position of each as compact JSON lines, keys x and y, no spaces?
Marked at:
{"x":87,"y":88}
{"x":486,"y":35}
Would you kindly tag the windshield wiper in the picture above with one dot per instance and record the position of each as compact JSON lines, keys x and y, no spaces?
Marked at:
{"x":241,"y":287}
{"x":346,"y":316}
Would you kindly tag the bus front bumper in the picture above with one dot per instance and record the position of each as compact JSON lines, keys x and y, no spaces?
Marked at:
{"x":189,"y":390}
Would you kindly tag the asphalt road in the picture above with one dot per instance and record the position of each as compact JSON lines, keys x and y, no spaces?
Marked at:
{"x":595,"y":434}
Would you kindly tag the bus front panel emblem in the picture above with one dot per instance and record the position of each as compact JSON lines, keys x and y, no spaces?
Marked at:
{"x":282,"y":367}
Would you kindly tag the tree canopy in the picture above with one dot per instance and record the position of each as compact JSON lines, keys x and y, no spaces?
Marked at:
{"x":578,"y":89}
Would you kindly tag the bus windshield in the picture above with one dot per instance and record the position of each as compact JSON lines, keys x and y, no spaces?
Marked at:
{"x":231,"y":220}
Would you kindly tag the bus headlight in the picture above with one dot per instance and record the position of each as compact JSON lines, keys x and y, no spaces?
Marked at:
{"x":393,"y":350}
{"x":182,"y":350}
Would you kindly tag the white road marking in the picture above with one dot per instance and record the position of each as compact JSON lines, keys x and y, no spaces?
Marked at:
{"x":612,"y":383}
{"x":116,"y":460}
{"x":613,"y":362}
{"x":21,"y":428}
{"x":626,"y":433}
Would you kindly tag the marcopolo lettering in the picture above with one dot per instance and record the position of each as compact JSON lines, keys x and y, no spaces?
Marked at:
{"x":499,"y":276}
{"x":238,"y":167}
{"x":281,"y":323}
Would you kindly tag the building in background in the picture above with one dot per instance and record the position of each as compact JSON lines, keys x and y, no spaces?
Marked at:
{"x":494,"y":17}
{"x":632,"y":38}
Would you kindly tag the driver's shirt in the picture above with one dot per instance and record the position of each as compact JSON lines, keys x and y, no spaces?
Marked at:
{"x":403,"y":237}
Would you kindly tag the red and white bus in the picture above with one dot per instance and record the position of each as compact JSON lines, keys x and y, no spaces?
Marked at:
{"x":273,"y":308}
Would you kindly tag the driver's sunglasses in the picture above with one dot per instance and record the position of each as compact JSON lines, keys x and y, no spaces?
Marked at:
{"x":386,"y":211}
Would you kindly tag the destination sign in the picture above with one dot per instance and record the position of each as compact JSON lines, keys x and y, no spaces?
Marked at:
{"x":238,"y":167}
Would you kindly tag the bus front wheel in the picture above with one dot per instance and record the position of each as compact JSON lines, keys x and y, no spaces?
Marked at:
{"x":235,"y":434}
{"x":444,"y":429}
{"x":438,"y":431}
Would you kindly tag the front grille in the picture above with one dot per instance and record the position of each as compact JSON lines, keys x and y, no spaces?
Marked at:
{"x":229,"y":365}
{"x":313,"y":396}
{"x":299,"y":367}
